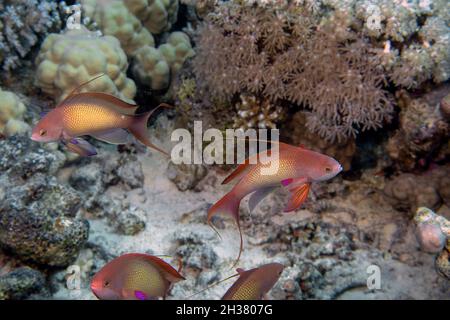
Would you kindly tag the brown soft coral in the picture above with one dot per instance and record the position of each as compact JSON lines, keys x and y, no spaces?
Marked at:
{"x":286,"y":55}
{"x":422,"y":132}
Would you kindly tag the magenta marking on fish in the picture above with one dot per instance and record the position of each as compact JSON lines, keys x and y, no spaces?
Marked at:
{"x":286,"y":182}
{"x":140,"y":295}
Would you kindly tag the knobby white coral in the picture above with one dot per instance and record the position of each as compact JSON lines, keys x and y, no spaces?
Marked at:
{"x":70,"y":59}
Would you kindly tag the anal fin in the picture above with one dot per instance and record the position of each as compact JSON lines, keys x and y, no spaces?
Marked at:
{"x":258,"y":196}
{"x":113,"y":136}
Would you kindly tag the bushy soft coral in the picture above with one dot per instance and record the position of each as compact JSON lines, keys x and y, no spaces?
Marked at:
{"x":284,"y":54}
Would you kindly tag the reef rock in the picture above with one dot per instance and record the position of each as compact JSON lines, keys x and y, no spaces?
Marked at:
{"x":186,"y":177}
{"x":38,"y":215}
{"x":21,"y":283}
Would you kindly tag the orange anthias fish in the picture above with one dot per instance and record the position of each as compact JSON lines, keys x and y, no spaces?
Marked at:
{"x":96,"y":114}
{"x":135,"y":276}
{"x":254,"y":284}
{"x":297,"y":168}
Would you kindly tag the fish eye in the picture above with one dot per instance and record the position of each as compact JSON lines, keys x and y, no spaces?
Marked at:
{"x":42,"y":132}
{"x":328,"y":169}
{"x":106,"y":284}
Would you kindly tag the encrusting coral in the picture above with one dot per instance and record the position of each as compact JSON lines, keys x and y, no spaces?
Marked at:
{"x":284,"y":54}
{"x":156,"y":15}
{"x":70,"y":59}
{"x":11,"y":114}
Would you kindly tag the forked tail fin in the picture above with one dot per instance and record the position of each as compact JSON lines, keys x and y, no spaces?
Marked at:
{"x":228,"y":206}
{"x":212,"y":285}
{"x":139,"y":128}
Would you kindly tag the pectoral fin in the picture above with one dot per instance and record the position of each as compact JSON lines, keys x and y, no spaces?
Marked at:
{"x":238,"y":173}
{"x":80,"y":146}
{"x":113,"y":136}
{"x":258,"y":196}
{"x":299,"y":193}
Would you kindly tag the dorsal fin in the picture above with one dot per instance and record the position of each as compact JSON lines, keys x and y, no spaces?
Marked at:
{"x":106,"y":100}
{"x":77,"y":89}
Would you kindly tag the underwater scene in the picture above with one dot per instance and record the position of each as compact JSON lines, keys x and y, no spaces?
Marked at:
{"x":235,"y":150}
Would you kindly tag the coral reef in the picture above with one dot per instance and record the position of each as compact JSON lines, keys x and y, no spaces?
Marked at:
{"x":21,"y":283}
{"x":285,"y":54}
{"x":156,"y":15}
{"x":433,"y":233}
{"x":11,"y":114}
{"x":298,"y":135}
{"x":68,"y":60}
{"x":422,"y":133}
{"x":155,"y":67}
{"x":22,"y":25}
{"x":413,"y":34}
{"x":114,"y":19}
{"x":93,"y":179}
{"x":184,"y":176}
{"x":151,"y":69}
{"x":38,"y":215}
{"x":404,"y":193}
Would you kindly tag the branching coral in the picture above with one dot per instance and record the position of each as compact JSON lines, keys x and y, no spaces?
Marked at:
{"x":285,"y":54}
{"x":408,"y":191}
{"x":22,"y":24}
{"x":297,"y":135}
{"x":252,"y":113}
{"x":67,"y":60}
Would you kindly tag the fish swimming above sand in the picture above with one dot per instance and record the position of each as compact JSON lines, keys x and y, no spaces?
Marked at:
{"x":135,"y":276}
{"x":99,"y":115}
{"x":255,"y":283}
{"x":297,"y":168}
